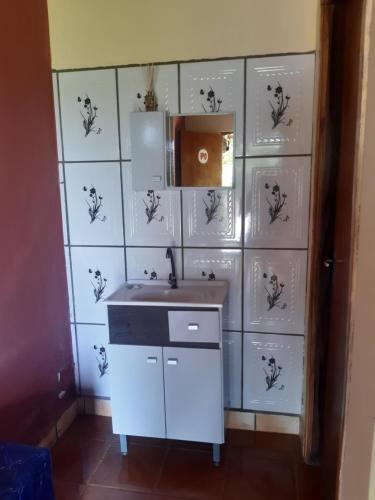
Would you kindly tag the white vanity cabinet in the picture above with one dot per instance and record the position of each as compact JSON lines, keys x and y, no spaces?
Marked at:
{"x":166,"y":364}
{"x":193,"y":394}
{"x":137,"y":390}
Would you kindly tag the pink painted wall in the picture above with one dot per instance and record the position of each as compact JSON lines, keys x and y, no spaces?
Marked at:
{"x":34,"y":323}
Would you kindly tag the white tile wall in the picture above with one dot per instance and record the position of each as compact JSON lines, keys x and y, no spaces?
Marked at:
{"x":274,"y":291}
{"x":151,"y":263}
{"x":94,"y":203}
{"x":273,"y":366}
{"x":215,"y":86}
{"x":279,"y":105}
{"x":214,"y":217}
{"x":99,"y":139}
{"x":277,"y":202}
{"x":91,"y":288}
{"x":218,"y":264}
{"x":234,"y":239}
{"x":152,"y":218}
{"x":94,"y":364}
{"x":132,"y":88}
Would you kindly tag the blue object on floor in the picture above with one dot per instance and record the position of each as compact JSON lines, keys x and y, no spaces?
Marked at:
{"x":25,"y":473}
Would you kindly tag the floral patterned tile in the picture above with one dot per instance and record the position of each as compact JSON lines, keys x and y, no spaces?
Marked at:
{"x":89,"y":115}
{"x":214,"y":217}
{"x":232,"y":361}
{"x":152,"y":218}
{"x":151,"y":263}
{"x":279,"y":105}
{"x":273,"y":372}
{"x":275,"y":291}
{"x":214,"y":264}
{"x":63,"y":204}
{"x":213,"y":87}
{"x":97,"y":272}
{"x":132,"y":88}
{"x":69,"y":281}
{"x":94,"y":203}
{"x":277,"y":202}
{"x":94,"y":366}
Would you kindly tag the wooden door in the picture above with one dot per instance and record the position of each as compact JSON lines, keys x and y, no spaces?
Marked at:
{"x":334,"y":229}
{"x":201,"y":158}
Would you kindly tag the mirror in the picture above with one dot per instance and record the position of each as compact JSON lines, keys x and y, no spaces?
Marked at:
{"x":201,"y":150}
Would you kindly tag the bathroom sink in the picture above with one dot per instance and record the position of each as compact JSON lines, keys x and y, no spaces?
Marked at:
{"x":159,"y":293}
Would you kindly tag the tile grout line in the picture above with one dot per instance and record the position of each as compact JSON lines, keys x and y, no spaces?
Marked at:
{"x":69,"y":245}
{"x":121,"y":173}
{"x":188,"y":61}
{"x":243,"y":217}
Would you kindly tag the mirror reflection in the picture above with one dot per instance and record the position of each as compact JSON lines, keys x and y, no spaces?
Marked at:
{"x":202,"y":150}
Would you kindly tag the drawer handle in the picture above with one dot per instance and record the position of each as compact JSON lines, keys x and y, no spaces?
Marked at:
{"x":152,"y":360}
{"x":156,"y":178}
{"x":172,"y":361}
{"x":193,"y":327}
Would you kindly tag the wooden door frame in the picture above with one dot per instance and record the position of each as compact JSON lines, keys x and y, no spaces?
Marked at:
{"x":340,"y":66}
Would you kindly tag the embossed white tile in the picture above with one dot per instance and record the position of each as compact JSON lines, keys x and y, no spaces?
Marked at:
{"x":57,"y":115}
{"x":151,"y":263}
{"x":90,"y":288}
{"x":273,"y":373}
{"x":277,"y":194}
{"x":132,"y":89}
{"x":212,"y":217}
{"x":69,"y":281}
{"x":214,"y":86}
{"x":218,"y":264}
{"x":63,"y":204}
{"x":94,"y":203}
{"x":75,"y":357}
{"x":89,"y":115}
{"x":232,"y":365}
{"x":279,"y":105}
{"x":275,"y":291}
{"x":94,"y":366}
{"x":152,"y":218}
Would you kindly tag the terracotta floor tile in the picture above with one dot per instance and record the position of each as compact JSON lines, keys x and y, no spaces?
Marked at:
{"x":145,"y":441}
{"x":191,"y":474}
{"x":239,"y":438}
{"x":307,"y":479}
{"x":67,"y":491}
{"x":74,"y":460}
{"x":91,"y":427}
{"x":139,"y":470}
{"x":257,"y":478}
{"x":106,"y":493}
{"x":277,"y":446}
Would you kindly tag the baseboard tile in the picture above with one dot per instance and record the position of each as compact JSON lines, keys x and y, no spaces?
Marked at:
{"x":66,"y":419}
{"x":281,"y":424}
{"x":239,"y":420}
{"x":62,"y":425}
{"x":50,"y":439}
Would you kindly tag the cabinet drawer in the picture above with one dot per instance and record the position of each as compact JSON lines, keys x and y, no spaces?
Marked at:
{"x":194,"y":326}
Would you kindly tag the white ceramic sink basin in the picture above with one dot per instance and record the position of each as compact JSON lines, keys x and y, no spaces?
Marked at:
{"x":159,"y":293}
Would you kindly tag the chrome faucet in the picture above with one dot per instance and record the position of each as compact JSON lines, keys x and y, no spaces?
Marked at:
{"x":172,"y":276}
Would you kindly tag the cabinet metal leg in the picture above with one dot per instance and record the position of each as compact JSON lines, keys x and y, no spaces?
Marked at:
{"x":123,"y":444}
{"x":216,"y":454}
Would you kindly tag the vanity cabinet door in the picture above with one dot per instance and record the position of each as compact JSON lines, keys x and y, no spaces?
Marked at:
{"x":194,"y":394}
{"x":137,"y":393}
